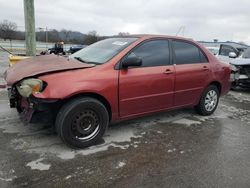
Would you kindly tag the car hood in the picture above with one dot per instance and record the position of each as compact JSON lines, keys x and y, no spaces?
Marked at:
{"x":41,"y":65}
{"x":240,"y":61}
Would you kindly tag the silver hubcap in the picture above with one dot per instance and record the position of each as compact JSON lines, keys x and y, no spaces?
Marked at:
{"x":211,"y":100}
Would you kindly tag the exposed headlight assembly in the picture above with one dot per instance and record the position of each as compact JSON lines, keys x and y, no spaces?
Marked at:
{"x":29,"y":86}
{"x":234,"y":68}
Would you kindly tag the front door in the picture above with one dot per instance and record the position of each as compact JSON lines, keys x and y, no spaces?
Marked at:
{"x":150,"y":87}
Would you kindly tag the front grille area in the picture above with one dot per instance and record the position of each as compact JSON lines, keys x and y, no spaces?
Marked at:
{"x":245,"y":69}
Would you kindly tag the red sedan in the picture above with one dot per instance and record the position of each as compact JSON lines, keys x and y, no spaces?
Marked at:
{"x":113,"y":80}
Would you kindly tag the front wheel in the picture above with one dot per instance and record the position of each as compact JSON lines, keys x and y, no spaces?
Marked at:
{"x":209,"y":101}
{"x":82,"y":122}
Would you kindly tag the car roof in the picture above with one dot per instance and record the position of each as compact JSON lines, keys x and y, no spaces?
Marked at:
{"x":159,"y":36}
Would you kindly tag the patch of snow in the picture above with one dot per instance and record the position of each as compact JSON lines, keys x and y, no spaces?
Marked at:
{"x":239,"y":96}
{"x":6,"y":179}
{"x":38,"y":165}
{"x":187,"y":122}
{"x":171,"y":150}
{"x":120,"y":164}
{"x":44,"y":144}
{"x":68,"y":177}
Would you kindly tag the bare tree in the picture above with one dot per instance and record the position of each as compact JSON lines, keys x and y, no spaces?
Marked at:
{"x":122,"y":34}
{"x":65,"y":35}
{"x":91,"y":38}
{"x":8,"y":29}
{"x":54,"y":36}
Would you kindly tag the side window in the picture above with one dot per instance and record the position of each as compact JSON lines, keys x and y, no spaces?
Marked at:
{"x":187,"y":53}
{"x":203,"y":58}
{"x":225,"y":50}
{"x":153,"y":53}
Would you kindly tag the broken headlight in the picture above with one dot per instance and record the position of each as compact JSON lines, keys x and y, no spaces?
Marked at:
{"x":29,"y":86}
{"x":234,"y":68}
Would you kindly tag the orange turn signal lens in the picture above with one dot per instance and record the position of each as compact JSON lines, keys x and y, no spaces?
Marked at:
{"x":36,"y":88}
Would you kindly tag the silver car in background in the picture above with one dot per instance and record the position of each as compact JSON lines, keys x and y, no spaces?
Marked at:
{"x":239,"y":59}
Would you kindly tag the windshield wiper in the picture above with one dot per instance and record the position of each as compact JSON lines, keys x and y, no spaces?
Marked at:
{"x":89,"y":62}
{"x":80,"y":59}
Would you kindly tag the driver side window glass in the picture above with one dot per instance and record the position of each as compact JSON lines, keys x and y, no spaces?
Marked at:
{"x":225,"y":50}
{"x":153,"y":53}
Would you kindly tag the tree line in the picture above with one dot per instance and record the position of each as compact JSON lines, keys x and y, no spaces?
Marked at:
{"x":9,"y":31}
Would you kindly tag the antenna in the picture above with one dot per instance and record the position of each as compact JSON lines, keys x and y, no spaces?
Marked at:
{"x":181,"y":29}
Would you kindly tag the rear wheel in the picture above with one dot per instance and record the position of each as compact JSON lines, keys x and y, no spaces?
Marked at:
{"x":209,"y":101}
{"x":82,"y":122}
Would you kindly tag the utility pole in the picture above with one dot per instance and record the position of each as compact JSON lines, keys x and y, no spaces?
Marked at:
{"x":30,"y":34}
{"x":46,"y":36}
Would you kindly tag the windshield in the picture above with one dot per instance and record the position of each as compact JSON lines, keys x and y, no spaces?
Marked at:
{"x":102,"y":51}
{"x":246,"y":53}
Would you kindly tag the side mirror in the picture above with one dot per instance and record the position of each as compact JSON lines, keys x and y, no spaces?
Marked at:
{"x":232,"y":55}
{"x":131,"y":62}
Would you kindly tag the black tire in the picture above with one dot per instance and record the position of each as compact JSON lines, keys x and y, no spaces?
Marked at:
{"x":204,"y":110}
{"x":73,"y":117}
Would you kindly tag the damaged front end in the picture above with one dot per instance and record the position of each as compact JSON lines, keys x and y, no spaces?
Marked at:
{"x":240,"y":75}
{"x":32,"y":109}
{"x":24,"y":85}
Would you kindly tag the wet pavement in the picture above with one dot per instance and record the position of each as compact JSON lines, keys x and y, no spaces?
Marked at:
{"x":173,"y":149}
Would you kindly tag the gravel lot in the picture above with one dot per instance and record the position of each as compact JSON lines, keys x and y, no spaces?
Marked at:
{"x":173,"y":149}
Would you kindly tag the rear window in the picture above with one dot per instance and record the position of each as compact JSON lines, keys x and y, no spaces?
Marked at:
{"x":187,"y":53}
{"x":246,"y":53}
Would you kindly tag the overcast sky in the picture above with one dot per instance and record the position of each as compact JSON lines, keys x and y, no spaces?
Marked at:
{"x":213,"y":19}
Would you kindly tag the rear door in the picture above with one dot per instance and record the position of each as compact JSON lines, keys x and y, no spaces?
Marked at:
{"x":149,"y":87}
{"x":192,"y":70}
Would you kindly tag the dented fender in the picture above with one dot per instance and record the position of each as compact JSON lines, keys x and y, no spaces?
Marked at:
{"x":64,"y":85}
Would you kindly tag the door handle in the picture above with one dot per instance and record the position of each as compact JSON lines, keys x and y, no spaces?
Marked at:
{"x":168,"y":71}
{"x":205,"y":68}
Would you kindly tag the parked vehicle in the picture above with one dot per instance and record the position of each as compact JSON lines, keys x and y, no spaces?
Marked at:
{"x":240,"y":64}
{"x":213,"y":50}
{"x":57,"y":49}
{"x":14,"y":58}
{"x":116,"y":79}
{"x":224,"y":51}
{"x":76,"y":48}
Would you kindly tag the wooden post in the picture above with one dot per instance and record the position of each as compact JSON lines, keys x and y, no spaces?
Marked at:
{"x":30,"y":33}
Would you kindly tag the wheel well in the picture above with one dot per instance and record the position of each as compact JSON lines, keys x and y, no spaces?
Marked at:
{"x":217,"y":84}
{"x":95,"y":96}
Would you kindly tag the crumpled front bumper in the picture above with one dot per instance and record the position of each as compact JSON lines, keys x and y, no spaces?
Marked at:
{"x":34,"y":110}
{"x":240,"y":79}
{"x":38,"y":111}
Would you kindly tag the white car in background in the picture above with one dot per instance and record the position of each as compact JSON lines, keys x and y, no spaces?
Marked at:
{"x":214,"y":50}
{"x":239,"y":59}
